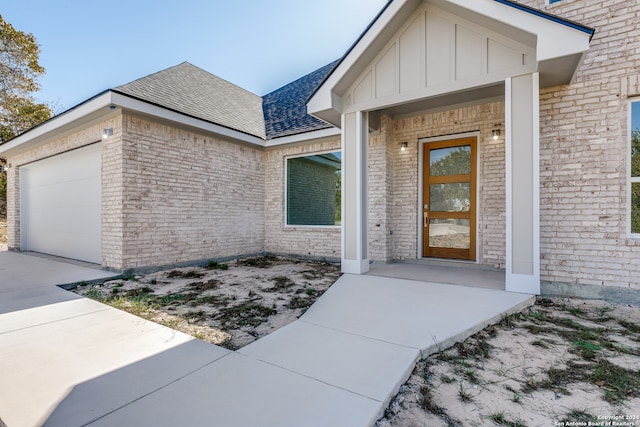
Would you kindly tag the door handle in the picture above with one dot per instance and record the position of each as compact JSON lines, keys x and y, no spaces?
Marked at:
{"x":426,"y":219}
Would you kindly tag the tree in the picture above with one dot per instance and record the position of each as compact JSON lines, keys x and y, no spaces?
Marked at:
{"x":19,"y":71}
{"x":451,"y":197}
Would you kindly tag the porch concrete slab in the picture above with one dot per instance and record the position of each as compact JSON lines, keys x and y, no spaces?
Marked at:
{"x":364,"y":366}
{"x":238,"y":391}
{"x":420,"y":315}
{"x":451,"y":272}
{"x":20,"y":271}
{"x":43,"y":364}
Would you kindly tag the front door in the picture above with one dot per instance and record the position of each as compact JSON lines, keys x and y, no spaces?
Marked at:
{"x":449,"y":202}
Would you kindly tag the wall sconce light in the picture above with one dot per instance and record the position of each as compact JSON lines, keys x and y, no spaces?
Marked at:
{"x":404,"y":146}
{"x":496,"y":134}
{"x":107,"y":133}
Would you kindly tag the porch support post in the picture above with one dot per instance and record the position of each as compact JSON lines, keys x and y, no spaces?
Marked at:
{"x":355,"y":238}
{"x":522,"y":111}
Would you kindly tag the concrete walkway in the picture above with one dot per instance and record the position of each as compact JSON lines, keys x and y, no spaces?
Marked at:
{"x":68,"y":361}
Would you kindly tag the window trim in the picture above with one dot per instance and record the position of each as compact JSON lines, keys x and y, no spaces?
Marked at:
{"x":286,"y":191}
{"x":629,"y":179}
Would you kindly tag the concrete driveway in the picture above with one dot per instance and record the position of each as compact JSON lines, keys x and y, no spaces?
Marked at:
{"x":69,"y":361}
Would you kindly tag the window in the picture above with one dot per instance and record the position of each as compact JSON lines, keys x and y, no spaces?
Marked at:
{"x":314,"y":190}
{"x":554,"y":1}
{"x":634,"y":181}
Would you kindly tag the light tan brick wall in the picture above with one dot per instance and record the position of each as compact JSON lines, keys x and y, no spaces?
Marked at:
{"x":381,"y":166}
{"x":187,"y":196}
{"x":112,"y":192}
{"x":491,"y":181}
{"x":583,"y":152}
{"x":282,"y":239}
{"x":80,"y":138}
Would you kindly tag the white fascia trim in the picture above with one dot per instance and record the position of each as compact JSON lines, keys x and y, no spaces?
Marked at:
{"x":324,"y":98}
{"x":554,"y":39}
{"x":304,"y":137}
{"x":548,"y":33}
{"x":57,"y":122}
{"x":162,"y":113}
{"x":115,"y":99}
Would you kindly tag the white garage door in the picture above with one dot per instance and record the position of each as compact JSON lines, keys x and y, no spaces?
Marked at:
{"x":60,"y":201}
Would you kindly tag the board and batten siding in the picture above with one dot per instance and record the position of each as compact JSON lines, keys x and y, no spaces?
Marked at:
{"x":436,"y":53}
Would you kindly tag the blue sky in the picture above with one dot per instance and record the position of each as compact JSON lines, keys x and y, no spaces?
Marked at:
{"x":88,"y":46}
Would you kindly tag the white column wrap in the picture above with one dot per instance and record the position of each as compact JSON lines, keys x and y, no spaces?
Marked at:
{"x":355,"y":239}
{"x":523,"y":183}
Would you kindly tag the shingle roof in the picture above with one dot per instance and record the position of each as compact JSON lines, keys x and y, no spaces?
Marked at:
{"x":195,"y":92}
{"x":285,"y":109}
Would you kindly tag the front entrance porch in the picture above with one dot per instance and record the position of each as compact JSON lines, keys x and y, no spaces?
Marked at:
{"x":435,"y":55}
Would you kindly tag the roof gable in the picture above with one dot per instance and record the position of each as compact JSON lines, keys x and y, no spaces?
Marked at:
{"x":195,"y":92}
{"x":557,"y":48}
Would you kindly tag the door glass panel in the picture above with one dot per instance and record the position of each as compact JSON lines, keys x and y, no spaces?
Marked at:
{"x":450,"y":233}
{"x":450,"y":161}
{"x":454,"y":197}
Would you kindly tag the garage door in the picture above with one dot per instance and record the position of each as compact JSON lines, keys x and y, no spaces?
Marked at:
{"x":60,"y":201}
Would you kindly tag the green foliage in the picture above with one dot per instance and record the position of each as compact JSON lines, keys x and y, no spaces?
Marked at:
{"x":21,"y":114}
{"x":338,"y":214}
{"x":450,"y":197}
{"x":19,"y":71}
{"x":635,"y":187}
{"x":635,"y":152}
{"x":456,"y":162}
{"x":3,"y":192}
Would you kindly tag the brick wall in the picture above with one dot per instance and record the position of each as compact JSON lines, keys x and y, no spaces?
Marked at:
{"x":583,"y":152}
{"x":381,"y":167}
{"x":279,"y":238}
{"x":187,"y":196}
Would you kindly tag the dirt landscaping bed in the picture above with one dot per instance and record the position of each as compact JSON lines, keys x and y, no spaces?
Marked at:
{"x":559,"y":363}
{"x":228,"y":304}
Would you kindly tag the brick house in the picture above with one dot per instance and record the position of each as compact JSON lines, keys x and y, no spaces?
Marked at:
{"x":491,"y":132}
